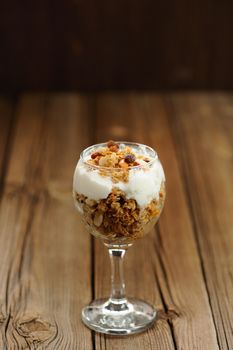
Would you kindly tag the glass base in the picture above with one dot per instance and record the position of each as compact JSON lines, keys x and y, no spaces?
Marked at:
{"x":118,"y":317}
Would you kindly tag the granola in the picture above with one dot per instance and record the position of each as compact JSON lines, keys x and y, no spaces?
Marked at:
{"x":116,"y":158}
{"x":120,"y":190}
{"x":119,"y":219}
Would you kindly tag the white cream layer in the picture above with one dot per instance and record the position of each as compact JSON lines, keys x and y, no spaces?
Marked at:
{"x":143,"y":185}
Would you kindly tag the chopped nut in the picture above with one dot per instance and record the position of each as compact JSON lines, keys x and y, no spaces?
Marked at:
{"x":115,"y":205}
{"x":96,"y":160}
{"x":127,"y":150}
{"x":130,"y":204}
{"x":123,"y":164}
{"x":98,"y":219}
{"x":91,"y":161}
{"x":109,"y":160}
{"x":95,"y":154}
{"x":130,"y":158}
{"x":135,"y":215}
{"x":114,"y":148}
{"x":90,"y":202}
{"x":80,"y":197}
{"x":112,"y":143}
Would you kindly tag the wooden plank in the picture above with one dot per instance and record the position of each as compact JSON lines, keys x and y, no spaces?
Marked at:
{"x":6,"y":121}
{"x":204,"y":124}
{"x":185,"y":269}
{"x":185,"y":289}
{"x":165,"y":268}
{"x":114,"y":118}
{"x":45,"y":257}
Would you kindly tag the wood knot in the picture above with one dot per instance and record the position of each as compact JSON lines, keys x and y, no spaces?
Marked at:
{"x":35,"y":328}
{"x":168,"y":315}
{"x":172,"y":314}
{"x":2,"y":319}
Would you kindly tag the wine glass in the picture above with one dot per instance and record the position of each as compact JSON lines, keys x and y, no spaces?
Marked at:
{"x":119,"y":189}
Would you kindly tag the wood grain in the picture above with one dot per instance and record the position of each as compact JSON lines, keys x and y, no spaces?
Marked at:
{"x":144,"y":119}
{"x":6,"y":121}
{"x":118,"y":110}
{"x":46,"y":256}
{"x":184,"y":288}
{"x":136,"y":113}
{"x":209,"y":170}
{"x":50,"y":267}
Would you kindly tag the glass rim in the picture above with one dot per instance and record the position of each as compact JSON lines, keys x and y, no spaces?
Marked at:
{"x":128,"y":143}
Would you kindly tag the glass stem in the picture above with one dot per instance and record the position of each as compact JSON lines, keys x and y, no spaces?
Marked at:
{"x":117,"y":275}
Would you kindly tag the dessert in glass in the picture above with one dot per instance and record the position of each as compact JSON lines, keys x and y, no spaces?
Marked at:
{"x":119,"y":189}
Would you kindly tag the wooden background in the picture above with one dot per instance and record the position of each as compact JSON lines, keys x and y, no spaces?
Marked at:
{"x":50,"y":267}
{"x":87,"y":44}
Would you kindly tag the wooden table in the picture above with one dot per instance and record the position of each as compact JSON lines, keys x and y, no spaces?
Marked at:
{"x":50,"y":267}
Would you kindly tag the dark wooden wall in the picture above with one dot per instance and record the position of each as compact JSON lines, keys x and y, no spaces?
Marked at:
{"x":89,"y":44}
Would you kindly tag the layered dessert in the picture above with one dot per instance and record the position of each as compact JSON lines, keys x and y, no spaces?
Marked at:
{"x":119,"y":190}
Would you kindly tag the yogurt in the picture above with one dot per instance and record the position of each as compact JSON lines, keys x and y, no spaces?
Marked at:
{"x":143,"y":184}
